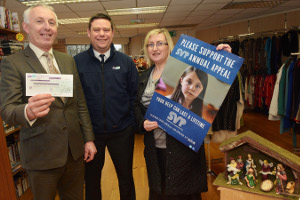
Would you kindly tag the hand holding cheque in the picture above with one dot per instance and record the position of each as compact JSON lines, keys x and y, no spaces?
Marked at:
{"x":43,"y":88}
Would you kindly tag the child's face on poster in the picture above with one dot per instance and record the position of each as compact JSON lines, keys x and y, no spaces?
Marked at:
{"x":191,"y":86}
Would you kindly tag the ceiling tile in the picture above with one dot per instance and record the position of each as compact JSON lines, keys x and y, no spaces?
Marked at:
{"x":144,"y":30}
{"x":217,"y":1}
{"x":89,"y":6}
{"x":229,"y":11}
{"x":194,"y":20}
{"x":66,"y":15}
{"x":168,"y":23}
{"x":206,"y":7}
{"x":148,"y":21}
{"x":202,"y":12}
{"x":176,"y":14}
{"x":108,"y":5}
{"x":88,"y":14}
{"x":172,"y":19}
{"x":154,"y":15}
{"x":181,"y":2}
{"x":77,"y":27}
{"x":61,"y":8}
{"x":121,"y":22}
{"x":122,"y":17}
{"x":182,"y":8}
{"x":147,"y":3}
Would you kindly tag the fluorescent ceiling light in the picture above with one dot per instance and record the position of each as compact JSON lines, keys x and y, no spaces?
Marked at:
{"x":82,"y":33}
{"x":129,"y":26}
{"x":141,"y":10}
{"x":73,"y":21}
{"x":86,"y":20}
{"x":246,"y":34}
{"x":136,"y":25}
{"x":49,"y":2}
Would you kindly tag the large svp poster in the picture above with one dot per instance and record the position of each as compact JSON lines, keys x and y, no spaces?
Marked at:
{"x":193,"y":85}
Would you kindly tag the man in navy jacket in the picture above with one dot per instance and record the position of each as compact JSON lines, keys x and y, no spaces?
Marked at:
{"x":109,"y":79}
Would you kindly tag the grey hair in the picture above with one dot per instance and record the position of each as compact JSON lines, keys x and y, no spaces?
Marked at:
{"x":26,"y":14}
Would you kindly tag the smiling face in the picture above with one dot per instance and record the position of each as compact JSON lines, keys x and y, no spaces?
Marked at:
{"x":101,"y":35}
{"x":191,"y":86}
{"x":158,"y":54}
{"x":42,"y":28}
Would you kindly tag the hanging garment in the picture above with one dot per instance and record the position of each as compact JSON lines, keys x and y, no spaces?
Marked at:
{"x":296,"y":90}
{"x":226,"y":116}
{"x":273,"y":111}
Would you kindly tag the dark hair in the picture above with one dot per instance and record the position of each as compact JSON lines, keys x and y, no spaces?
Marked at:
{"x":197,"y":104}
{"x":100,"y":16}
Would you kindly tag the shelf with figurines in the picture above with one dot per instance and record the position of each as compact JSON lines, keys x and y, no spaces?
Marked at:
{"x":256,"y":165}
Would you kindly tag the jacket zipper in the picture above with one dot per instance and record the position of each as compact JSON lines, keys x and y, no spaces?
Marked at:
{"x":103,"y":98}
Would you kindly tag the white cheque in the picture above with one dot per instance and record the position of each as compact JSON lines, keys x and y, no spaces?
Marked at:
{"x":58,"y":85}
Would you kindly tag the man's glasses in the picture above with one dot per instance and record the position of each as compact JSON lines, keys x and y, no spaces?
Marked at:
{"x":158,"y":44}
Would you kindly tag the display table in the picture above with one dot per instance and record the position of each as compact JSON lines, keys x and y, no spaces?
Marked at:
{"x":230,"y":194}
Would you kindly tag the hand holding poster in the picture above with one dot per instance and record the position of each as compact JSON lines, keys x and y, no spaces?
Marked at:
{"x":193,"y":85}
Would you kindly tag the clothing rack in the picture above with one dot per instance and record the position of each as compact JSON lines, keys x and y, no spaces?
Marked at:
{"x":257,"y":35}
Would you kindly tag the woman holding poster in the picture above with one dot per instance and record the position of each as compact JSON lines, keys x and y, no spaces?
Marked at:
{"x":175,"y":172}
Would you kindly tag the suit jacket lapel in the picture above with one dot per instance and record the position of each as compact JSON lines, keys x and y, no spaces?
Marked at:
{"x":60,"y":62}
{"x":33,"y":61}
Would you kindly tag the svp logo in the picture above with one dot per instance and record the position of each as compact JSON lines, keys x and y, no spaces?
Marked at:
{"x":176,"y":119}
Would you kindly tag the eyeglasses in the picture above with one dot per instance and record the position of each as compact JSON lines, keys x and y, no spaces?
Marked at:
{"x":158,"y":44}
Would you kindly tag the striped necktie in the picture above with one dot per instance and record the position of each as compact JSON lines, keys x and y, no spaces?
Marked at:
{"x":52,"y":68}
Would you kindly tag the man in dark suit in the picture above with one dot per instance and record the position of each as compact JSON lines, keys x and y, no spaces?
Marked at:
{"x":56,"y":133}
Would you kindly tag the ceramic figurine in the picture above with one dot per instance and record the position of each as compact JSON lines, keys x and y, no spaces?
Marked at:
{"x":281,"y":178}
{"x":290,"y":187}
{"x":250,"y":178}
{"x":250,"y":163}
{"x":240,"y":166}
{"x":233,"y":176}
{"x":266,"y":169}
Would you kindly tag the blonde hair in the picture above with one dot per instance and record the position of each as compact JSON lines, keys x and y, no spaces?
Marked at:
{"x":167,"y":35}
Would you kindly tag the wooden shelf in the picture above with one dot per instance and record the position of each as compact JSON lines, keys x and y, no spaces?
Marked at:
{"x":4,"y":31}
{"x":7,"y":185}
{"x":16,"y":169}
{"x":16,"y":129}
{"x":26,"y":195}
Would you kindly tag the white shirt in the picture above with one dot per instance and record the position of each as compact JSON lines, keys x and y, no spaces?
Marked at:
{"x":106,"y":55}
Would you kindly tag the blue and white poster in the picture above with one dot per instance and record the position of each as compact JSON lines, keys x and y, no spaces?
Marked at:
{"x":193,"y":85}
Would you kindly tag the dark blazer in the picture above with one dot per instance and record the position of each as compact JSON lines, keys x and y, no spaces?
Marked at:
{"x":185,"y":169}
{"x":44,"y":145}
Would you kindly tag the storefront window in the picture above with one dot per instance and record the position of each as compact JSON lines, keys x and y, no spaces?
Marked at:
{"x":76,"y":49}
